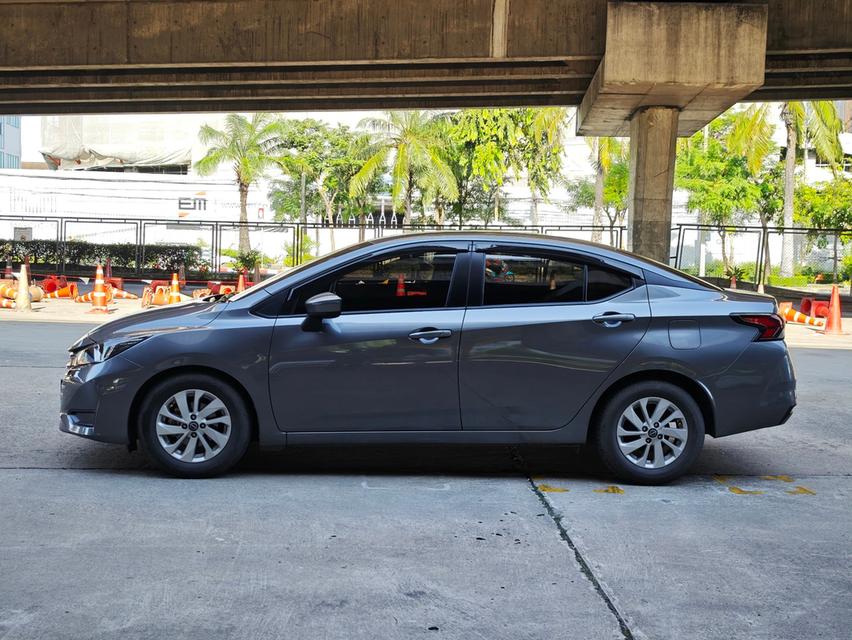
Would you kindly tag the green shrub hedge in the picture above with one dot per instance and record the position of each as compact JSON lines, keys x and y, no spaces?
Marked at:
{"x":789,"y":281}
{"x":157,"y":256}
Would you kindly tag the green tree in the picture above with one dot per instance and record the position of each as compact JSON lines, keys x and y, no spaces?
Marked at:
{"x":827,"y":206}
{"x":806,"y":123}
{"x":328,"y":157}
{"x":718,"y":182}
{"x":750,"y":136}
{"x":410,"y":143}
{"x":610,"y":192}
{"x":604,"y":152}
{"x":243,"y":143}
{"x":497,"y":142}
{"x":285,"y":198}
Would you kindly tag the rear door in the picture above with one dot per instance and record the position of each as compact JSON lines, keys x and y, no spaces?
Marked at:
{"x":544,"y":330}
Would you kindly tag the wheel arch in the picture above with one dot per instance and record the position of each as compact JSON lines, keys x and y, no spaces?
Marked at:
{"x":134,"y":414}
{"x":695,"y":389}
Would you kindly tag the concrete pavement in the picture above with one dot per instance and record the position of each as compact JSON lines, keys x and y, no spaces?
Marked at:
{"x":403,"y":542}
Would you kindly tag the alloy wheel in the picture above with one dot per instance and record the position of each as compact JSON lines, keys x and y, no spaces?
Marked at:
{"x":193,"y":425}
{"x":652,"y":433}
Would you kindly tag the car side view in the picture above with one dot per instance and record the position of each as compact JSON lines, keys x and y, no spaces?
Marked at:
{"x":441,"y":338}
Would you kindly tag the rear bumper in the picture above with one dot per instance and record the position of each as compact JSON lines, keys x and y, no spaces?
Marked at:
{"x":757,"y":391}
{"x":95,"y":400}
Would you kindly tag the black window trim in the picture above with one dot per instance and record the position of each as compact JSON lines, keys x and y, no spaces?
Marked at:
{"x":476,"y":290}
{"x":462,"y":249}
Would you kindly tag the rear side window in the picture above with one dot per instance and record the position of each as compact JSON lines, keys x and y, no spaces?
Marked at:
{"x":515,"y":279}
{"x":529,"y":279}
{"x":605,"y":283}
{"x":413,"y":280}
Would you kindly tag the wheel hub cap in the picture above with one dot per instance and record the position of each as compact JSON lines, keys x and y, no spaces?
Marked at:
{"x":652,"y":433}
{"x":179,"y":423}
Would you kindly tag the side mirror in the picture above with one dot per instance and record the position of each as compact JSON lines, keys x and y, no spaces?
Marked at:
{"x":324,"y":305}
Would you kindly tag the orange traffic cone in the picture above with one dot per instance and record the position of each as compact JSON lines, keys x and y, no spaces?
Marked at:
{"x":791,"y":315}
{"x":174,"y":293}
{"x":8,"y":291}
{"x":833,"y":324}
{"x":241,"y":282}
{"x":7,"y":304}
{"x":65,"y":292}
{"x":99,"y":295}
{"x":121,"y":294}
{"x":400,"y":286}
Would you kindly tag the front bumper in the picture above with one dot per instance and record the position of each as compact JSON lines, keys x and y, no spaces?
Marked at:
{"x":95,"y":400}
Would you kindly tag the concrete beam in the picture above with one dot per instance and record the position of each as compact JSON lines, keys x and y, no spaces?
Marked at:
{"x":699,"y":58}
{"x":491,"y":46}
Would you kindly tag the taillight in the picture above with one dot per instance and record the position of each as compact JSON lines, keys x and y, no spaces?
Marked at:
{"x":770,"y":325}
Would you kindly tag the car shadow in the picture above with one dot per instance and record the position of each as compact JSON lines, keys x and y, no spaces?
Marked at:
{"x":401,"y":460}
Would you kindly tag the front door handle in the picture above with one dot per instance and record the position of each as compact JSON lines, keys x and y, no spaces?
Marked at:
{"x":429,"y":335}
{"x":612,"y":320}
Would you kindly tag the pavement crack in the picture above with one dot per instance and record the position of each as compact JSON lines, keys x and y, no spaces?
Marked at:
{"x":585,"y":568}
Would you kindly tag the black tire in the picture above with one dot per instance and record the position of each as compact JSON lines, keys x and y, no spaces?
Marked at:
{"x":225,"y":458}
{"x":605,"y":440}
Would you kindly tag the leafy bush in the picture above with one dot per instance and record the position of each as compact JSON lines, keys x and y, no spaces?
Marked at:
{"x":157,"y":256}
{"x":735,"y":272}
{"x":789,"y":281}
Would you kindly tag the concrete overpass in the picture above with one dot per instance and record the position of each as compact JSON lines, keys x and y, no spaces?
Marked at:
{"x":651,"y":70}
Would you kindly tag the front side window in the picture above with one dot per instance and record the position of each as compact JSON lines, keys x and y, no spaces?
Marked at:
{"x":416,"y":279}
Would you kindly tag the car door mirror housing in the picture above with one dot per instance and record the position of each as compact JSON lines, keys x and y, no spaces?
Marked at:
{"x":323,"y":306}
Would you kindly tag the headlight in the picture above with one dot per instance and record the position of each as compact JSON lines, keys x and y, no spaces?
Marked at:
{"x":94,"y":352}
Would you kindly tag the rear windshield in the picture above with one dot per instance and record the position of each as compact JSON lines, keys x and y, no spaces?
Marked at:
{"x":685,"y":276}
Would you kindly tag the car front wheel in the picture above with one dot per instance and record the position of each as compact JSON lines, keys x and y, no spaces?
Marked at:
{"x":194,"y":426}
{"x":649,"y":432}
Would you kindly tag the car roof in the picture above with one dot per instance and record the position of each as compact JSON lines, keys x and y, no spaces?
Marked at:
{"x":524,"y":238}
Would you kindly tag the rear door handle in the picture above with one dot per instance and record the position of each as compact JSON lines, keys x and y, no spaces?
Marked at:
{"x":429,"y":335}
{"x":613,"y":319}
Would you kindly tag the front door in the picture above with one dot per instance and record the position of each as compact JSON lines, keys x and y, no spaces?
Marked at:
{"x":538,"y":344}
{"x":390,"y":361}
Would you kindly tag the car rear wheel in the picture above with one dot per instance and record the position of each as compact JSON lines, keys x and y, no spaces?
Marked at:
{"x":194,"y":426}
{"x":649,"y":432}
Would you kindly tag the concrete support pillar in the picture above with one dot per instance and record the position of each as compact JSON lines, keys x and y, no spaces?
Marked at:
{"x":653,"y":143}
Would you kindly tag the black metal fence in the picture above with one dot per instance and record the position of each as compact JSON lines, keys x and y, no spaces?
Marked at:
{"x":792,"y":255}
{"x":821,"y":254}
{"x":297,"y":241}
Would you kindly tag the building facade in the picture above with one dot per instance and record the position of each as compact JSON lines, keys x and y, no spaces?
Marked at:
{"x":10,"y":142}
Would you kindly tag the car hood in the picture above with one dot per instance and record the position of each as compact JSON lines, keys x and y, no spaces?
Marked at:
{"x":187,"y":315}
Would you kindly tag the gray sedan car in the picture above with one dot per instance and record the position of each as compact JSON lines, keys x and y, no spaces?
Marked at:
{"x":441,"y":338}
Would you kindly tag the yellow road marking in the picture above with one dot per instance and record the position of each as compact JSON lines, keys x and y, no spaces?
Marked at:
{"x":609,"y":489}
{"x":779,"y":478}
{"x":725,"y":480}
{"x":744,"y":492}
{"x":801,"y":491}
{"x":549,"y":489}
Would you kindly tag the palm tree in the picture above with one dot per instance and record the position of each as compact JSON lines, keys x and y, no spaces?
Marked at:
{"x":243,"y":143}
{"x":807,"y":122}
{"x":604,"y":151}
{"x":548,"y":128}
{"x":410,"y":142}
{"x":751,"y":137}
